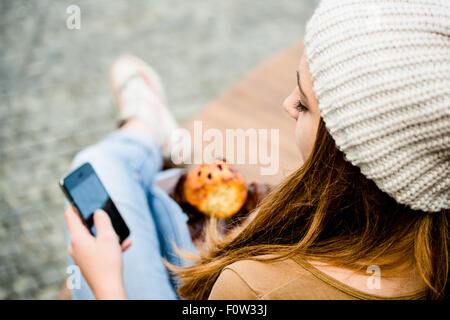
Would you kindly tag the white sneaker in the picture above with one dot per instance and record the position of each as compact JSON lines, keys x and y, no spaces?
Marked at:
{"x":139,"y":94}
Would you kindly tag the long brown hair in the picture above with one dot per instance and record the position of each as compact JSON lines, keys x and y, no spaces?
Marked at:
{"x":328,"y":211}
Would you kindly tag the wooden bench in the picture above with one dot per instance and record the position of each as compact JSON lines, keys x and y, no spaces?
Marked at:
{"x":254,"y":102}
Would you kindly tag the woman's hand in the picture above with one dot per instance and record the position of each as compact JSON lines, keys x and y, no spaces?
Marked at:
{"x":100,"y":257}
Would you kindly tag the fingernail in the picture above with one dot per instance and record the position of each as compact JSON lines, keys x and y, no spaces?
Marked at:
{"x":100,"y":212}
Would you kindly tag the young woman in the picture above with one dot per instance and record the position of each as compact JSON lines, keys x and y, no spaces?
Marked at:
{"x":365,"y":216}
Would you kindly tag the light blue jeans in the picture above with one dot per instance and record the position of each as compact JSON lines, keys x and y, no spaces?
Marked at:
{"x":128,"y":163}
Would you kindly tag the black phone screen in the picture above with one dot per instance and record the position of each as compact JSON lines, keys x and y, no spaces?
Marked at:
{"x":88,"y":194}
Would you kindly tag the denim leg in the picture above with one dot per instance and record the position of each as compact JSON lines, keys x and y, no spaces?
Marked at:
{"x":171,"y":225}
{"x":126,"y":162}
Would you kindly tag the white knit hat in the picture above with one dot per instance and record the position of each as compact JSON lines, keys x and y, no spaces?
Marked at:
{"x":381,"y":73}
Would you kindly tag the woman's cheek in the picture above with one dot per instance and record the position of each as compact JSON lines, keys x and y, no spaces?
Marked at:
{"x":305,"y":133}
{"x":300,"y":139}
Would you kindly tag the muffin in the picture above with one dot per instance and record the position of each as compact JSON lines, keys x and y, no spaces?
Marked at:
{"x":215,"y":189}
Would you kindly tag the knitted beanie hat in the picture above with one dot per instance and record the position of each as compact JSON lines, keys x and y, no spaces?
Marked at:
{"x":381,"y":74}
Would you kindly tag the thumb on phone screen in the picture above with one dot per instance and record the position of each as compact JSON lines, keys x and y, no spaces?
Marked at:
{"x":103,"y":224}
{"x":105,"y":229}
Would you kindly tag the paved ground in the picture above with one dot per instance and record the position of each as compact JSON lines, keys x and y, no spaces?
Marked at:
{"x":55,"y":99}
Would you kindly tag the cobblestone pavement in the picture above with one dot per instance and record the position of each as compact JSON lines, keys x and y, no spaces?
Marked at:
{"x":55,"y":98}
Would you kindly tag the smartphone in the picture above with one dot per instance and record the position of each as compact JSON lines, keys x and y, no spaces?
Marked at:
{"x":86,"y":192}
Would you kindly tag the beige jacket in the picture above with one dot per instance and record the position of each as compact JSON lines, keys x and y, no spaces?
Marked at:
{"x":291,"y":279}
